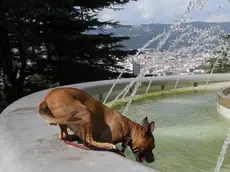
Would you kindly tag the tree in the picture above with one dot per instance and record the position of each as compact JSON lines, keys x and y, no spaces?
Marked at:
{"x":47,"y":43}
{"x":221,"y":63}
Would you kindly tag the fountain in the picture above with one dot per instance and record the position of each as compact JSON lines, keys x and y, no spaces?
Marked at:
{"x":208,"y":40}
{"x":223,"y":152}
{"x":19,"y":153}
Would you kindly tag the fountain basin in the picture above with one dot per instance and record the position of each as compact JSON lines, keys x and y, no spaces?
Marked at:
{"x":223,"y":102}
{"x":189,"y":132}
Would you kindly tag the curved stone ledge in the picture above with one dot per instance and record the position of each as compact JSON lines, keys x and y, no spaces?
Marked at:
{"x":223,"y":102}
{"x":28,"y":144}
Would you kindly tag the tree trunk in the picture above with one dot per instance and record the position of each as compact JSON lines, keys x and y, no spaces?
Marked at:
{"x":9,"y":76}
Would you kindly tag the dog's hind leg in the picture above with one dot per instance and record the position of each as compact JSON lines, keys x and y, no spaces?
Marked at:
{"x":80,"y":119}
{"x":81,"y":122}
{"x":84,"y":125}
{"x":45,"y":112}
{"x":63,"y":132}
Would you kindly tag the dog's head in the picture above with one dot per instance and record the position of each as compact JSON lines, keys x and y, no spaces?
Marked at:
{"x":143,"y":142}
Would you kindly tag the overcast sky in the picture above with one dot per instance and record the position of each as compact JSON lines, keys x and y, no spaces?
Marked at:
{"x":167,"y":11}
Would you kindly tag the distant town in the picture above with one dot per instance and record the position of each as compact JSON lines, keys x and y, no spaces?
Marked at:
{"x":183,"y":65}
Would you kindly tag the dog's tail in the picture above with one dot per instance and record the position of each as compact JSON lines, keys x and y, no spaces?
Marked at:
{"x":46,"y":113}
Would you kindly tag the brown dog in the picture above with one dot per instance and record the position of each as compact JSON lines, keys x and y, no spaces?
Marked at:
{"x":96,"y":124}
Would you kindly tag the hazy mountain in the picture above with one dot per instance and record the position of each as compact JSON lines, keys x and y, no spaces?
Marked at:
{"x":142,"y":33}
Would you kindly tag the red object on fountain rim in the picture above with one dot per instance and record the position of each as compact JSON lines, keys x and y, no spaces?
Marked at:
{"x":87,"y":148}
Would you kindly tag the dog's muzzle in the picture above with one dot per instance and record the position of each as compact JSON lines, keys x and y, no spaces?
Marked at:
{"x":141,"y":157}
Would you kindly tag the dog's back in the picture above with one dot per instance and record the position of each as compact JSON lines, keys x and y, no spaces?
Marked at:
{"x":63,"y":100}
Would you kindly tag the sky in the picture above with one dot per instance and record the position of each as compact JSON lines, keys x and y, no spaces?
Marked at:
{"x":167,"y":11}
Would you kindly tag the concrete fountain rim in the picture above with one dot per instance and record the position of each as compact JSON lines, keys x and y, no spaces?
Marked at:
{"x":223,"y":102}
{"x":42,"y":154}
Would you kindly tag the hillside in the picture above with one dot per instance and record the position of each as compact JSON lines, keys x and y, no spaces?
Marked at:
{"x":142,"y":33}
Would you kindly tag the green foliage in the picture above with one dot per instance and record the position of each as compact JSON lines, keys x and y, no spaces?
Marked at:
{"x":221,"y":63}
{"x":52,"y":45}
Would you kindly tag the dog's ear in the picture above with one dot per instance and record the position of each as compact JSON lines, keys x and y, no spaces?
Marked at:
{"x":151,"y":126}
{"x":148,"y":126}
{"x":145,"y":123}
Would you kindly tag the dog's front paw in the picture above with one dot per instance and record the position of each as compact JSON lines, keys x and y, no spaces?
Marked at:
{"x":118,"y":151}
{"x":112,"y":147}
{"x":115,"y":147}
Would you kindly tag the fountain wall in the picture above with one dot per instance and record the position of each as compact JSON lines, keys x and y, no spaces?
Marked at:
{"x":27,"y":143}
{"x":223,"y":102}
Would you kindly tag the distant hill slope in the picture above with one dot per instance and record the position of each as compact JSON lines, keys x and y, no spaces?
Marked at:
{"x":142,"y":33}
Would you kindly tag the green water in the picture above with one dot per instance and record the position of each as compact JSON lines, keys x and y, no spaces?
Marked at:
{"x":189,"y":133}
